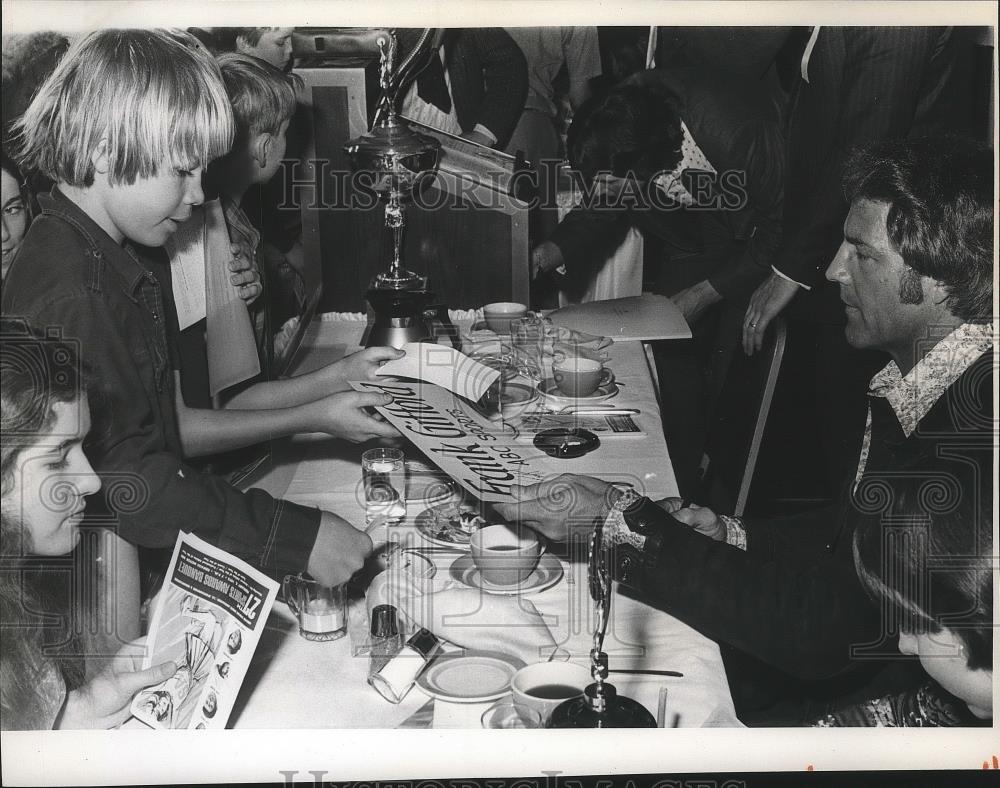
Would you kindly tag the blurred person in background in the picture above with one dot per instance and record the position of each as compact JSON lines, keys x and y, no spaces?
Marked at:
{"x":16,"y":211}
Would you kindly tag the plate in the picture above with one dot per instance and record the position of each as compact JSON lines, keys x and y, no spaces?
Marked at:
{"x":551,"y":392}
{"x":430,"y":528}
{"x":548,"y":572}
{"x":472,"y":677}
{"x":428,"y":487}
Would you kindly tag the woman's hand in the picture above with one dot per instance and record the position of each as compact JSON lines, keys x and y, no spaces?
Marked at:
{"x":544,"y":258}
{"x":103,"y":702}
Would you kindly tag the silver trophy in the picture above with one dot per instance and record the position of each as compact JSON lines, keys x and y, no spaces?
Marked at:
{"x":395,"y":155}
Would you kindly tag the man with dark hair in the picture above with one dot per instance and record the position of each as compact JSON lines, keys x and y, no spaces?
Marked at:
{"x":850,"y":86}
{"x":782,"y":595}
{"x":695,"y":160}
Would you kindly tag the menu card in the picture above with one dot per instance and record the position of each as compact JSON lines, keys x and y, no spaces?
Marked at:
{"x":645,"y":317}
{"x":208,"y":618}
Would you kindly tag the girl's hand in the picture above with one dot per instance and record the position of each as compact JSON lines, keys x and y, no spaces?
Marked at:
{"x":103,"y":702}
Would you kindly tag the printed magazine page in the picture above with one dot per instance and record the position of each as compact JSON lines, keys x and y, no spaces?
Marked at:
{"x":208,"y":619}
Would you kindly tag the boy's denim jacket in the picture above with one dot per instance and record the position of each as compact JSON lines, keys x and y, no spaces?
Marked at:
{"x":71,"y":277}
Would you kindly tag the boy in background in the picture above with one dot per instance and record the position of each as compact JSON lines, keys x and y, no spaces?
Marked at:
{"x":124,"y":126}
{"x":263,"y":101}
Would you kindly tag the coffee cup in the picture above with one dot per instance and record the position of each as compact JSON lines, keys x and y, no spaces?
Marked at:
{"x":545,"y":685}
{"x":576,"y":376}
{"x":500,"y":315}
{"x":504,"y":554}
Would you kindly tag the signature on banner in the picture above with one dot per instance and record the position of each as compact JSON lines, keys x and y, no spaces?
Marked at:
{"x":464,"y":445}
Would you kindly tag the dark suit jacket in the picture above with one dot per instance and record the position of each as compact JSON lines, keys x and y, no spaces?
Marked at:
{"x":793,"y":600}
{"x":488,"y":74}
{"x":737,"y":127}
{"x":865,"y":84}
{"x":489,"y":79}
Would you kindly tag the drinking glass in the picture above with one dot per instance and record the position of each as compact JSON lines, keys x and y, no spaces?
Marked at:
{"x":506,"y":714}
{"x":528,"y":336}
{"x":384,"y":476}
{"x":321,"y":610}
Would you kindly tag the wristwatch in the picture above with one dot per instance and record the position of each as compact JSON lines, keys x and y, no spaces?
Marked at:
{"x":629,"y":536}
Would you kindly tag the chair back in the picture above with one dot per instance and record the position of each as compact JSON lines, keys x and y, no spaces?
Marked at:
{"x":106,"y":595}
{"x":738,"y":419}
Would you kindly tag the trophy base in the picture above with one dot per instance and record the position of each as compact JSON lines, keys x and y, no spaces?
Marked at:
{"x":398,"y":280}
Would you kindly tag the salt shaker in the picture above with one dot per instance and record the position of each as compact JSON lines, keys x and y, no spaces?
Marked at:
{"x":385,"y":641}
{"x":396,"y":677}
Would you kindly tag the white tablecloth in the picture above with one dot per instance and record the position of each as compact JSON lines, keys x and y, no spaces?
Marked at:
{"x":294,"y":683}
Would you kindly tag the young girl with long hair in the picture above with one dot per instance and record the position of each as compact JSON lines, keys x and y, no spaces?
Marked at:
{"x":45,"y":478}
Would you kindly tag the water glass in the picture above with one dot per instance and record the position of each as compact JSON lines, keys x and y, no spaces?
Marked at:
{"x":384,"y":478}
{"x":320,"y":610}
{"x":528,"y":336}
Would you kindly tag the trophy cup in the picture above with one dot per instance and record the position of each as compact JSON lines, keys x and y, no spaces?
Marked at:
{"x":396,"y":157}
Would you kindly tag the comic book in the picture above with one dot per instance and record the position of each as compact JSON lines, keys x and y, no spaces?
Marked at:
{"x":208,"y":618}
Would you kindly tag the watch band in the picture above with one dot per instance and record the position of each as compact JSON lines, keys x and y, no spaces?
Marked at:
{"x":616,"y":530}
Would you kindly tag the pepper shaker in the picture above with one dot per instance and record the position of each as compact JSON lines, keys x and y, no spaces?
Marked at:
{"x":386,"y":641}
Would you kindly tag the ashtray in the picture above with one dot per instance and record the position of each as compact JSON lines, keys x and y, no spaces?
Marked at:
{"x":566,"y":443}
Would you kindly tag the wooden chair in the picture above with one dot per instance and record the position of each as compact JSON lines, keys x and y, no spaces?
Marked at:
{"x":744,"y":391}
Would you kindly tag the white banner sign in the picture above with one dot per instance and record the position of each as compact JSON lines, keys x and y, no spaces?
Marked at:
{"x":475,"y":452}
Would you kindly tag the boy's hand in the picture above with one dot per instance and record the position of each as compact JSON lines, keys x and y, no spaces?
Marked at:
{"x":340,"y":550}
{"x":359,"y":366}
{"x":244,"y":275}
{"x":103,"y":702}
{"x":344,"y":415}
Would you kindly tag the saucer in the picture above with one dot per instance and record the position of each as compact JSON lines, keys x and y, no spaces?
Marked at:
{"x":551,"y":392}
{"x":470,"y":677}
{"x":548,"y":572}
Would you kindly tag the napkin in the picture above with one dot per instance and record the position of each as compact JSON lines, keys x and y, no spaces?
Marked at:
{"x":472,"y":619}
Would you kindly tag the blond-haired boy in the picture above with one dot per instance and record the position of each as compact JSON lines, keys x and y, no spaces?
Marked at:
{"x":124,"y":126}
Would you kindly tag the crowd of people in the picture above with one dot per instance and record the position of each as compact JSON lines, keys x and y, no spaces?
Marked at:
{"x":836,"y":180}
